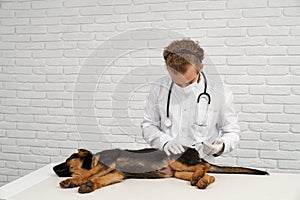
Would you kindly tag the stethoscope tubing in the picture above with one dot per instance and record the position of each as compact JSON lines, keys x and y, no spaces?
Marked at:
{"x":204,"y":93}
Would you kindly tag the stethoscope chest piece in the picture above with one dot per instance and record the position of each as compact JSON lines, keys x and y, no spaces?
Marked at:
{"x":168,"y":122}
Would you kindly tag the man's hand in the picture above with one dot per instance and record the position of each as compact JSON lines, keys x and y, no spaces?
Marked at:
{"x":172,"y":147}
{"x":214,"y":149}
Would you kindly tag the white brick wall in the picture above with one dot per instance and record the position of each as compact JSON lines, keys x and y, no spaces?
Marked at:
{"x":76,"y":73}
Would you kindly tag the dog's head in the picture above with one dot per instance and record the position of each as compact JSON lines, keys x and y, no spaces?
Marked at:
{"x":75,"y":164}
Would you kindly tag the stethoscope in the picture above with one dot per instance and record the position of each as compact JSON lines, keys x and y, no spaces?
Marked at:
{"x":168,"y":121}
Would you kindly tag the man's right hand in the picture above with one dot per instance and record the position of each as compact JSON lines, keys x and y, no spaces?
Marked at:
{"x":172,"y":147}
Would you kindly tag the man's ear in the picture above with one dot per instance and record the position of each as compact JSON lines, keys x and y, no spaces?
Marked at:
{"x":200,"y":67}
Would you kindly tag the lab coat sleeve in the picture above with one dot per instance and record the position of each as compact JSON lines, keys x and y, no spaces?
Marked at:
{"x":150,"y":125}
{"x":230,"y":131}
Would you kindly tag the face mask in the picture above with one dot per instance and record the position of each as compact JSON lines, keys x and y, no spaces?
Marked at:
{"x":186,"y":90}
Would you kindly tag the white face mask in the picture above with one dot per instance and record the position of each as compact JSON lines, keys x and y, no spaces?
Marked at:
{"x":186,"y":90}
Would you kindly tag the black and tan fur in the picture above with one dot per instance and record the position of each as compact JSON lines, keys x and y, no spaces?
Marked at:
{"x":91,"y":172}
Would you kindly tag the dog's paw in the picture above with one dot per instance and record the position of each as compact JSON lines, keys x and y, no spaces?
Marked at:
{"x":194,"y":180}
{"x":67,"y":184}
{"x":86,"y":188}
{"x":202,"y":184}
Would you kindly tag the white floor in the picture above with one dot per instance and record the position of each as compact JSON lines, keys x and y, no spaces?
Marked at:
{"x":43,"y":185}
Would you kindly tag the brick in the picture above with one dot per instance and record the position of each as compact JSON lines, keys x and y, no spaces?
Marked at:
{"x":31,"y":126}
{"x":268,"y":51}
{"x":148,"y":1}
{"x":64,"y":29}
{"x":272,"y":99}
{"x":269,"y":90}
{"x":15,"y":102}
{"x":247,"y":108}
{"x":49,"y":119}
{"x":15,"y":38}
{"x":285,"y":119}
{"x":15,"y":149}
{"x":46,"y":4}
{"x":98,"y":27}
{"x":20,"y":134}
{"x":246,"y":153}
{"x":295,"y":31}
{"x":286,"y":80}
{"x":77,"y":20}
{"x":284,"y":21}
{"x":29,"y":46}
{"x":292,"y":11}
{"x":269,"y":127}
{"x":183,"y":15}
{"x":167,"y":7}
{"x":282,"y":60}
{"x":249,"y":135}
{"x":35,"y":158}
{"x":7,"y":30}
{"x":226,"y":14}
{"x":79,"y":3}
{"x":226,"y":33}
{"x":242,"y":60}
{"x":9,"y":157}
{"x":243,"y":117}
{"x":6,"y":14}
{"x":61,"y":12}
{"x":268,"y":70}
{"x":292,"y":109}
{"x":257,"y":163}
{"x":268,"y":31}
{"x":287,"y":146}
{"x":245,"y":41}
{"x":31,"y":30}
{"x":45,"y":21}
{"x":128,"y":9}
{"x":262,"y":12}
{"x":246,"y":99}
{"x":281,"y":137}
{"x":294,"y":50}
{"x":247,"y":22}
{"x":236,"y":4}
{"x":207,"y":24}
{"x":45,"y":38}
{"x":145,"y":17}
{"x":280,"y":4}
{"x":295,"y":128}
{"x":14,"y":22}
{"x":285,"y":164}
{"x":78,"y":36}
{"x":46,"y":103}
{"x":21,"y":165}
{"x":206,"y":5}
{"x":30,"y":14}
{"x":282,"y":155}
{"x":92,"y":11}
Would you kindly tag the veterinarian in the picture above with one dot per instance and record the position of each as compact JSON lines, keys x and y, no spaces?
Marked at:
{"x":187,"y":108}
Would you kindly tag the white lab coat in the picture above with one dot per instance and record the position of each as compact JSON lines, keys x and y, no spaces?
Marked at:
{"x":221,"y":121}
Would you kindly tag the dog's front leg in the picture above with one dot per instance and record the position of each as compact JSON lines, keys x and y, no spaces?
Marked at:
{"x":101,"y":181}
{"x":82,"y":178}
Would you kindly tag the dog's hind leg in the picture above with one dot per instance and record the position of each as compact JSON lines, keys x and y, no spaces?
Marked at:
{"x":101,"y":181}
{"x":183,"y":175}
{"x":205,"y":181}
{"x":199,"y":173}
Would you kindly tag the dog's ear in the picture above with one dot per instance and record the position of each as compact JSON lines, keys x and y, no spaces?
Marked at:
{"x":83,"y":153}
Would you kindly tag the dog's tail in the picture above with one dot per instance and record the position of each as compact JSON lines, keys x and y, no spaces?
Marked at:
{"x":235,"y":170}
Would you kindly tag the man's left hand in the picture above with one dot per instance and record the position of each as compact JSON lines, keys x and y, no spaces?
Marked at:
{"x":214,"y":149}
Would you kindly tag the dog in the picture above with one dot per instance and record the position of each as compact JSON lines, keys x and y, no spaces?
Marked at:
{"x":93,"y":171}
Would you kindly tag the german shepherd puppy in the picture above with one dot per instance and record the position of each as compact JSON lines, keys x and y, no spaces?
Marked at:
{"x":93,"y":171}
